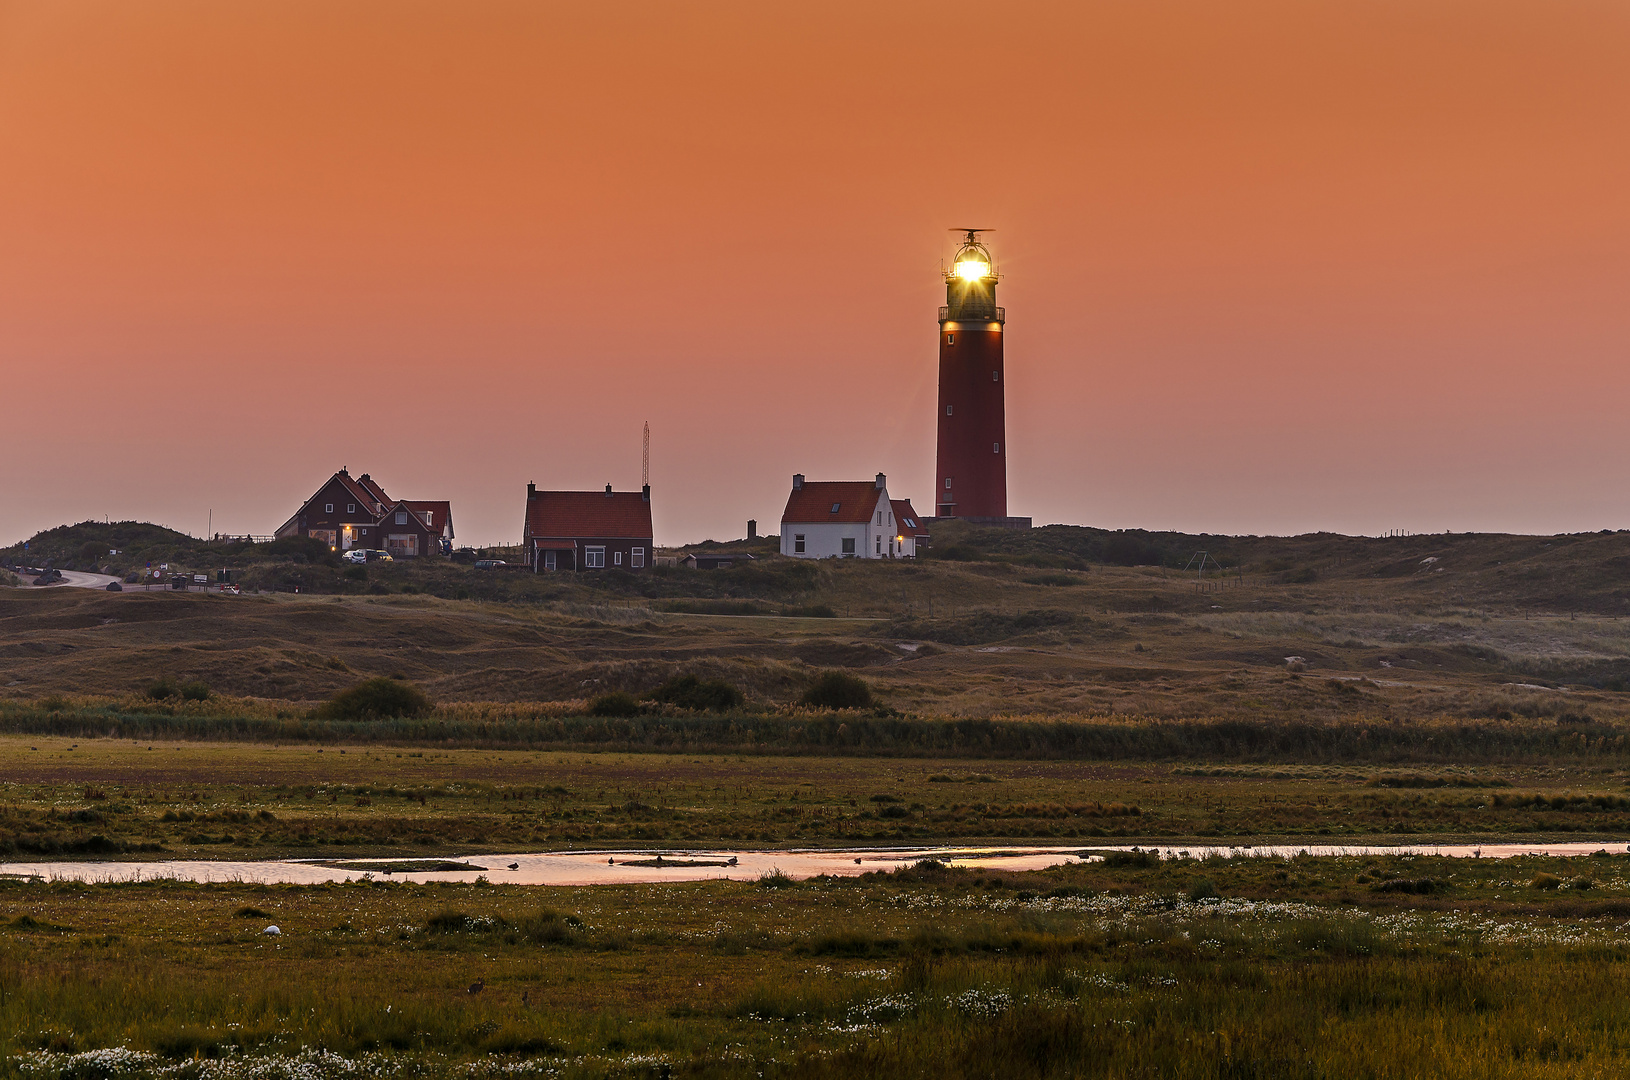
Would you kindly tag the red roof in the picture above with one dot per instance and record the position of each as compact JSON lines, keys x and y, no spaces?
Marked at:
{"x":856,"y":501}
{"x":588,"y":514}
{"x":441,"y":512}
{"x":555,"y":545}
{"x":369,"y":484}
{"x":907,"y":518}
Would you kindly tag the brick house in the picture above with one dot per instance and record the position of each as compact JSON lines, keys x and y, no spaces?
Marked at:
{"x":588,"y":530}
{"x":355,"y":512}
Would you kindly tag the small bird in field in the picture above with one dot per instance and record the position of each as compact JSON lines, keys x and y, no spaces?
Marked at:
{"x":477,"y":986}
{"x":514,"y":866}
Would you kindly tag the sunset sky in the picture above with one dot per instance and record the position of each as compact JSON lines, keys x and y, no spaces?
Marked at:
{"x":1269,"y":267}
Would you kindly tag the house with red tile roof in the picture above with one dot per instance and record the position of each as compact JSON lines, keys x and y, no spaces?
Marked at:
{"x":354,"y":512}
{"x":588,"y":530}
{"x":910,"y":530}
{"x":838,"y":519}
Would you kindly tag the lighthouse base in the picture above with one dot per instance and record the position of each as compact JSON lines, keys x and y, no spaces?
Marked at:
{"x":993,"y":522}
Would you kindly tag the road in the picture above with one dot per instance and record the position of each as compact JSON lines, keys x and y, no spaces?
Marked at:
{"x":78,"y":580}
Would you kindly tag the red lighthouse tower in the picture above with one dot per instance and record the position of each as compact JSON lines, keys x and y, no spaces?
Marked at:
{"x":971,"y":465}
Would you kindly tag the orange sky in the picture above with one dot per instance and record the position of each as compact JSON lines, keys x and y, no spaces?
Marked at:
{"x":1270,"y":266}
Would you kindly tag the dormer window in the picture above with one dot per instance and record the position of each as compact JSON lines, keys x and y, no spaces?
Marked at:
{"x":428,"y":514}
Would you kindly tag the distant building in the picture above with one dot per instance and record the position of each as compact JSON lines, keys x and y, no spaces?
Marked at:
{"x":354,"y":512}
{"x":910,"y":530}
{"x":716,"y":560}
{"x":588,"y":530}
{"x":827,"y":519}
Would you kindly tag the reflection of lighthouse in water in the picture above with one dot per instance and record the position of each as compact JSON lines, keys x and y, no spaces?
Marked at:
{"x":971,"y":465}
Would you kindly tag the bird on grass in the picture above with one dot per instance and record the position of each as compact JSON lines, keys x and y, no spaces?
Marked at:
{"x":477,"y":986}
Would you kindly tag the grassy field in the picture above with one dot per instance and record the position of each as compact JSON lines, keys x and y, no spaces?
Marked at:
{"x":1379,"y":967}
{"x":1067,"y":687}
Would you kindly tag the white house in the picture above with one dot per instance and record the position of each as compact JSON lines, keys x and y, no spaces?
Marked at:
{"x":839,"y":520}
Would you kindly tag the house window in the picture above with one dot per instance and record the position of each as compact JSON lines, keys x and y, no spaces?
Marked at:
{"x":548,"y":560}
{"x":947,"y":410}
{"x":950,"y":339}
{"x":797,"y":543}
{"x":328,"y":508}
{"x":401,"y":517}
{"x":594,"y":558}
{"x":880,"y":545}
{"x":428,"y":514}
{"x":350,"y":508}
{"x":848,"y":545}
{"x":880,"y":517}
{"x":636,"y":558}
{"x":617,"y":557}
{"x":835,"y":507}
{"x":364,"y":532}
{"x":996,"y":448}
{"x":996,"y":376}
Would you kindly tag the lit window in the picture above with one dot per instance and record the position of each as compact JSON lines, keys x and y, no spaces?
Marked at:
{"x":594,"y":558}
{"x":996,"y":448}
{"x":947,"y":410}
{"x":637,"y":558}
{"x":797,"y":543}
{"x":328,"y":508}
{"x":848,"y":545}
{"x":835,"y":507}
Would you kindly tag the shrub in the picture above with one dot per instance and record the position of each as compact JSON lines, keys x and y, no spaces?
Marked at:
{"x":775,"y":879}
{"x":375,"y":699}
{"x":616,"y":703}
{"x":690,"y":692}
{"x":1131,"y":858}
{"x":161,"y":689}
{"x":193,"y":691}
{"x":1545,"y":881}
{"x":247,"y":912}
{"x":1202,"y":888}
{"x":837,"y":690}
{"x":53,"y":703}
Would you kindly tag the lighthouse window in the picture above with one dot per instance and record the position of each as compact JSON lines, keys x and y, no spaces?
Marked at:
{"x":947,"y":483}
{"x":996,"y":376}
{"x":950,"y":339}
{"x":996,"y":448}
{"x":947,"y":410}
{"x":835,"y":507}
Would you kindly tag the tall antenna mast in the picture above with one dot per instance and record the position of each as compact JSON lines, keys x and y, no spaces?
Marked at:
{"x":645,"y":458}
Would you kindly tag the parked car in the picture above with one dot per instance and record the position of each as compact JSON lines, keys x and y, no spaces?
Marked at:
{"x":490,"y":564}
{"x":358,"y":555}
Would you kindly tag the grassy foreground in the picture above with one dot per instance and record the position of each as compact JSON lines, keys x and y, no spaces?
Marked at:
{"x":1305,"y":967}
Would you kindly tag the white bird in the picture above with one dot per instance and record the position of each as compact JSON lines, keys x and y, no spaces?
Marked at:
{"x":272,"y":931}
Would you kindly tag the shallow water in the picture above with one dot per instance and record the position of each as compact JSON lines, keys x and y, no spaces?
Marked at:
{"x":614,"y":867}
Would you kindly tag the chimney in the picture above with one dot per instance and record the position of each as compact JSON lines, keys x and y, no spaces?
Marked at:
{"x":645,"y":492}
{"x":882,"y":481}
{"x":797,"y":481}
{"x":608,"y":491}
{"x":531,"y":489}
{"x":752,"y":529}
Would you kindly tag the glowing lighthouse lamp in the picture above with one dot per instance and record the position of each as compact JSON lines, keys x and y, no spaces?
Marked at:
{"x":971,"y":458}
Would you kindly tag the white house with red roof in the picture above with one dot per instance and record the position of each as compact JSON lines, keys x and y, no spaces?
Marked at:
{"x":588,"y":530}
{"x":842,"y":519}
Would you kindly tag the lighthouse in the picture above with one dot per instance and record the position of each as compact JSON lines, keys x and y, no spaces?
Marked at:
{"x":971,"y":463}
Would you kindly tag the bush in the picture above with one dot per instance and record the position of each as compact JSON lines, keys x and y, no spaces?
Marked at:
{"x":1545,"y":881}
{"x":689,"y":692}
{"x":1202,"y":888}
{"x":616,"y":703}
{"x":375,"y":699}
{"x":162,"y":688}
{"x":836,"y":690}
{"x":194,"y":691}
{"x":775,"y":879}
